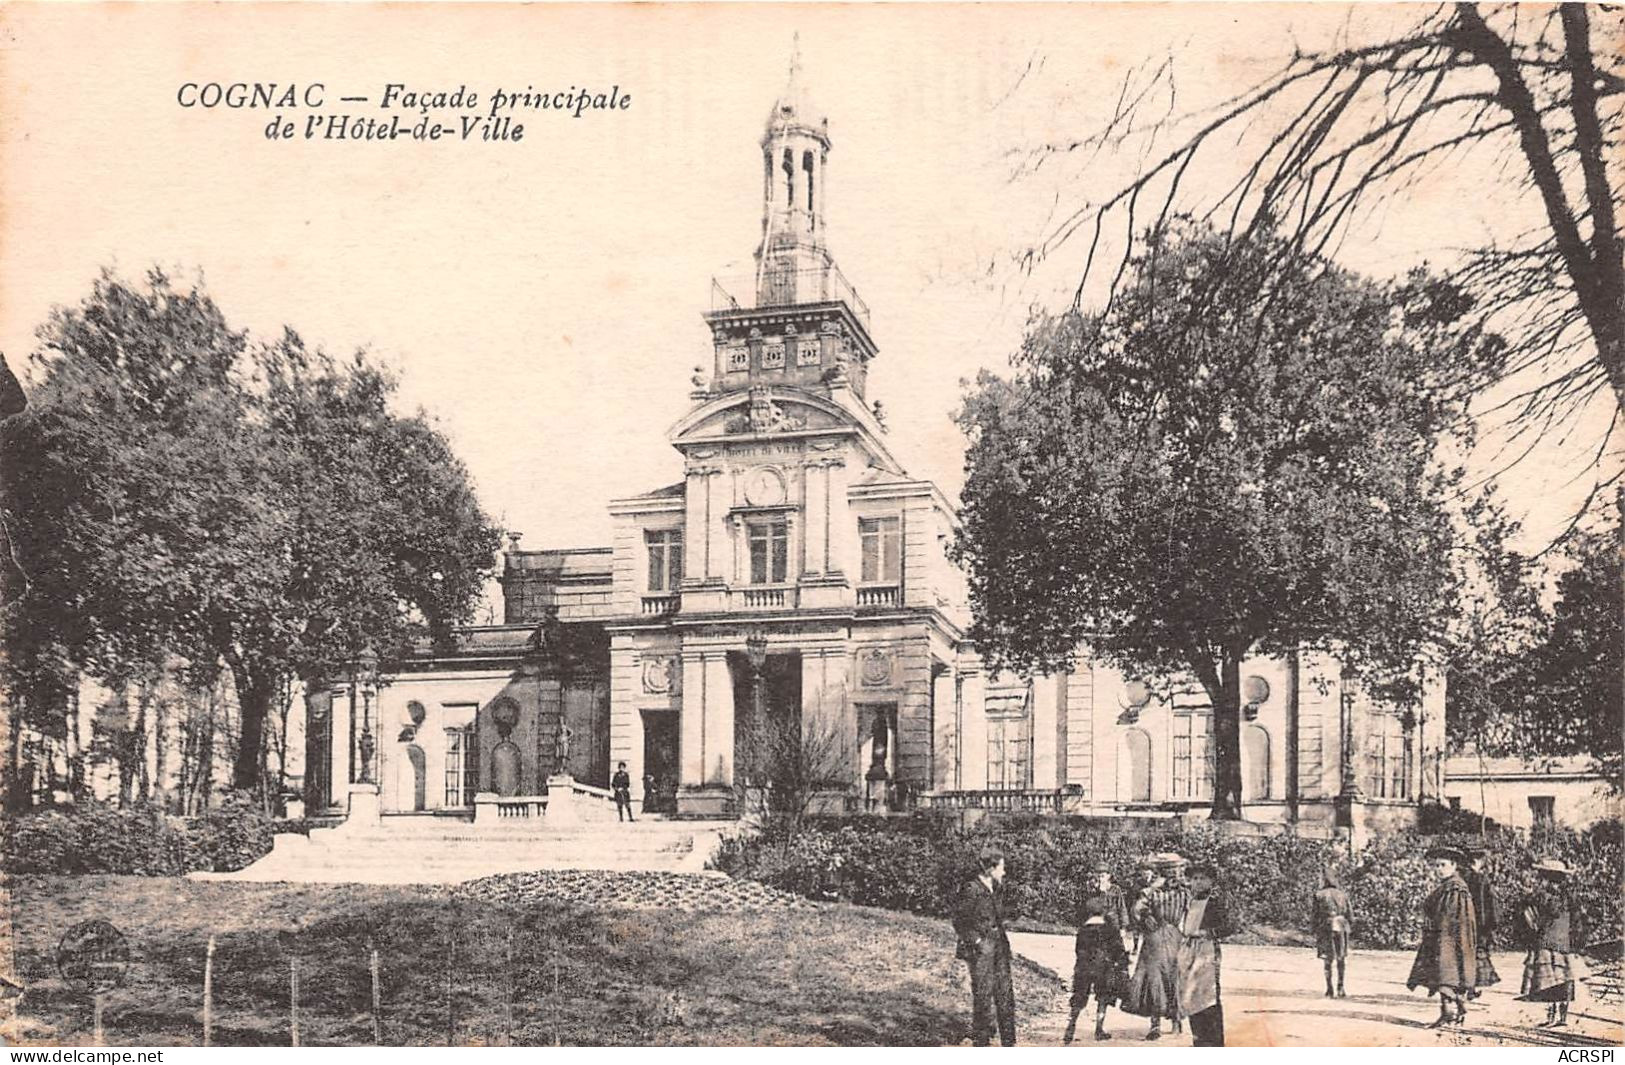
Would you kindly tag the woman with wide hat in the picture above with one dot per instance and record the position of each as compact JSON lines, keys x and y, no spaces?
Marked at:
{"x":1159,"y":913}
{"x":1553,"y":927}
{"x":1447,"y":958}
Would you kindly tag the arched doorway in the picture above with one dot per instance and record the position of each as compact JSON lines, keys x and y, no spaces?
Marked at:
{"x":1255,"y":763}
{"x":1134,"y":767}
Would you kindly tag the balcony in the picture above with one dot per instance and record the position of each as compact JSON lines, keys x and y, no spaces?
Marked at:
{"x":879,"y":595}
{"x":659,"y":606}
{"x":766,"y":598}
{"x":1035,"y":801}
{"x":823,"y":284}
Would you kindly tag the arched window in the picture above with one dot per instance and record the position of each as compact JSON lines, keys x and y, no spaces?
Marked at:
{"x":807,"y":168}
{"x":1134,"y":767}
{"x":789,"y":178}
{"x":1255,"y":763}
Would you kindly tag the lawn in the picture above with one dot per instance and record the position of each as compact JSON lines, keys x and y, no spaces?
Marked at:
{"x":472,"y":971}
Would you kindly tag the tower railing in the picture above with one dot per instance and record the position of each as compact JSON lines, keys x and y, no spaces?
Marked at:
{"x":788,"y":288}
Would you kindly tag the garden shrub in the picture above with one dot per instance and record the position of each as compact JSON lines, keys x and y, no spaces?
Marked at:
{"x":917,"y":864}
{"x":139,"y":840}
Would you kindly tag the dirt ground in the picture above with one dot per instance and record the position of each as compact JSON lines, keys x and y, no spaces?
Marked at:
{"x":511,"y":968}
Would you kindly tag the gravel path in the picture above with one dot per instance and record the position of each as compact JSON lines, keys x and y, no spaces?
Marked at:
{"x":688,"y":892}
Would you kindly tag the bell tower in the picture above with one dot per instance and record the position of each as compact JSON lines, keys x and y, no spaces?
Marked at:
{"x":795,"y":162}
{"x":797,"y":321}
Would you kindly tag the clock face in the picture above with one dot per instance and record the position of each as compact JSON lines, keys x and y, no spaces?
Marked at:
{"x":764,"y":488}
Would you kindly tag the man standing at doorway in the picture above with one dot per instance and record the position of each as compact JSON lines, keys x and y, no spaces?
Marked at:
{"x":621,"y":785}
{"x":985,"y":948}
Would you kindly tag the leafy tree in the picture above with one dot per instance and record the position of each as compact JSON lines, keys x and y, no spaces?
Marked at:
{"x":1237,"y":457}
{"x":1530,"y":95}
{"x":1559,"y":691}
{"x":176,"y":490}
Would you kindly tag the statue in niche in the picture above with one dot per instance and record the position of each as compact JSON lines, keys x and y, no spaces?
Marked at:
{"x":561,"y":746}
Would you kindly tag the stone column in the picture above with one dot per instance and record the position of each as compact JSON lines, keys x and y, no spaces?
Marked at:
{"x":973,"y":737}
{"x":695,"y":525}
{"x":719,"y":721}
{"x":691,"y":724}
{"x":944,"y":730}
{"x":1045,"y":732}
{"x":815,"y":504}
{"x":843,"y":528}
{"x":340,"y":746}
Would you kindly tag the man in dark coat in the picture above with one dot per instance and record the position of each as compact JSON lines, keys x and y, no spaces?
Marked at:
{"x":621,"y":785}
{"x":1478,"y":885}
{"x":985,"y":948}
{"x":1101,"y":965}
{"x":1207,"y":921}
{"x":1447,"y":958}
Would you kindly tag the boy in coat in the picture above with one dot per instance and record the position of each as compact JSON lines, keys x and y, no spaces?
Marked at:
{"x":1102,"y":960}
{"x":985,"y":948}
{"x":1333,"y":921}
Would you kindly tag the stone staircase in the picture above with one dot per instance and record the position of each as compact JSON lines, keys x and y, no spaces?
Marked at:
{"x":438,"y":850}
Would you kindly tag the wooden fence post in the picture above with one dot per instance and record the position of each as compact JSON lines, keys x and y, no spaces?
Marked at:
{"x":377,"y":1002}
{"x":293,"y":1000}
{"x":208,"y":994}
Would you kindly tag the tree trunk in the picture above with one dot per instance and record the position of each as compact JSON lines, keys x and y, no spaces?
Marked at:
{"x":205,"y":751}
{"x":76,"y":764}
{"x":138,"y":741}
{"x":1222,"y":681}
{"x":255,"y":694}
{"x":1227,"y":742}
{"x":160,"y":741}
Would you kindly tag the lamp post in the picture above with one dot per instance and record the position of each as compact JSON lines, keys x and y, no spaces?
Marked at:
{"x":756,"y":657}
{"x":366,"y":667}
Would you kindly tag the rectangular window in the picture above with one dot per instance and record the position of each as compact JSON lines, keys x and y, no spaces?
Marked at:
{"x":882,"y":543}
{"x":1543,"y":810}
{"x":769,"y":551}
{"x":1390,"y":758}
{"x":462,"y":767}
{"x":1193,"y":756}
{"x":1009,"y":736}
{"x":665,"y":547}
{"x":1008,"y":745}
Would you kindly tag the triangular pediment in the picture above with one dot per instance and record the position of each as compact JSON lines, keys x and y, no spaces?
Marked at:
{"x":762,"y":412}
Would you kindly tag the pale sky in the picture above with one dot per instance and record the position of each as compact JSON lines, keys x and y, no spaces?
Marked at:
{"x":542,"y":299}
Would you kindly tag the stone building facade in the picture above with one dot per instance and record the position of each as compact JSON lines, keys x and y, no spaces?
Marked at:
{"x":796,"y":573}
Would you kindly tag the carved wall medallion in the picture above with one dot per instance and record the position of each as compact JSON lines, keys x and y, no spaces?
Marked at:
{"x":659,"y":674}
{"x":736,"y":356}
{"x":808,"y":352}
{"x":773,"y":355}
{"x":764,"y":487}
{"x":875,"y":667}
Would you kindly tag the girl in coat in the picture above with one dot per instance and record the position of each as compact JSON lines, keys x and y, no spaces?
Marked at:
{"x":1553,"y":928}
